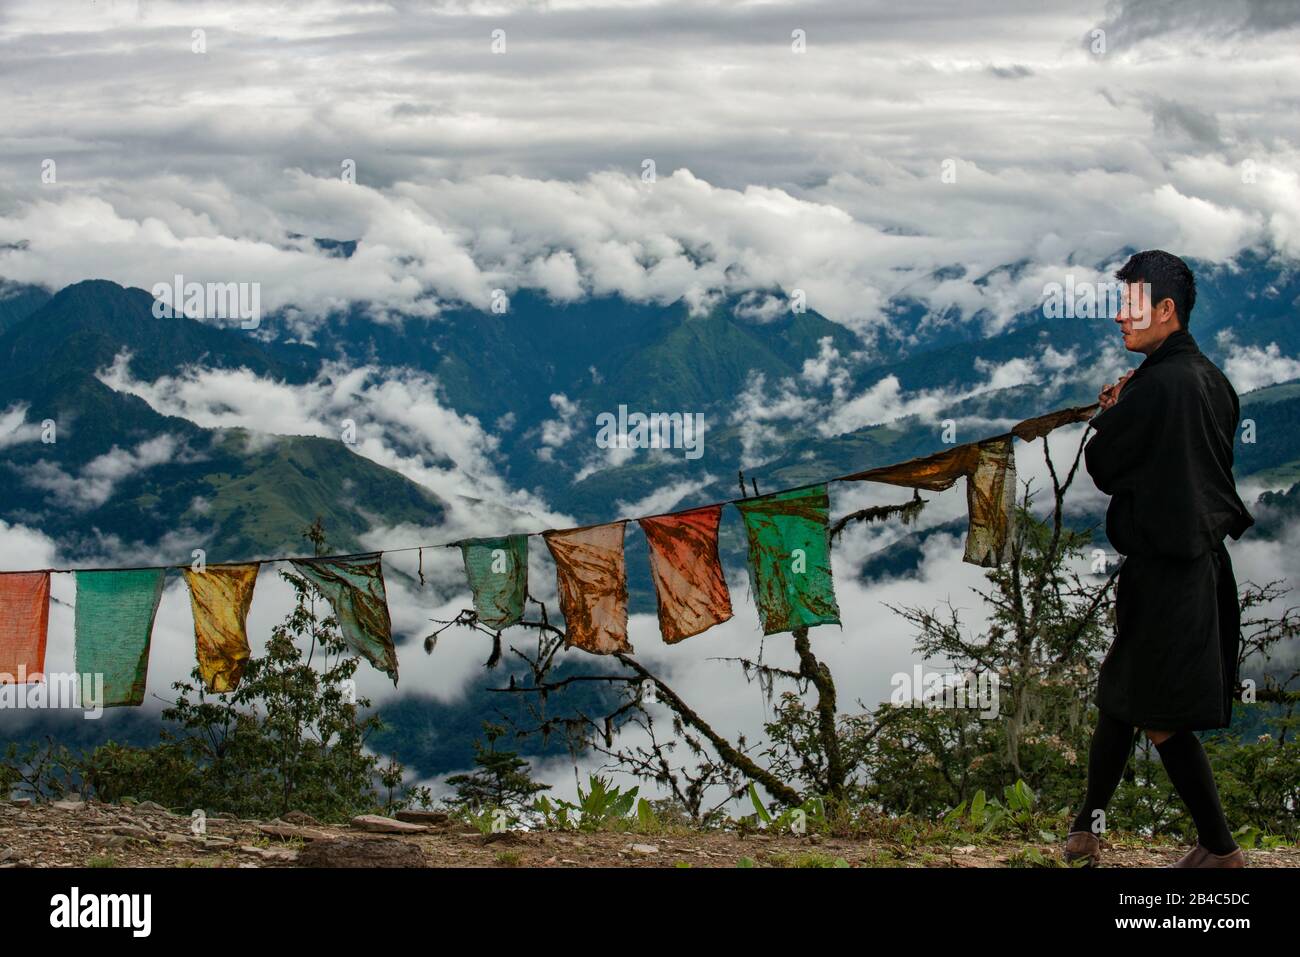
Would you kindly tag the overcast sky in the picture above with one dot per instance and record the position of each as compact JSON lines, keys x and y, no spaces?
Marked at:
{"x":1073,"y":129}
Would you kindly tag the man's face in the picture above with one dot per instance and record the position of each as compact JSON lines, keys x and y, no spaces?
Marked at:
{"x":1143,"y":324}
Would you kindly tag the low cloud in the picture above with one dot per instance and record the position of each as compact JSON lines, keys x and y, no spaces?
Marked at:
{"x":14,"y":427}
{"x":664,"y":499}
{"x":95,"y":482}
{"x":395,"y":418}
{"x":1253,"y":367}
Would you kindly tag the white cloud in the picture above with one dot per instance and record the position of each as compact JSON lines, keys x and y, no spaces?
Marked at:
{"x":1253,"y":367}
{"x":1009,"y":374}
{"x":767,"y":178}
{"x":557,"y":275}
{"x":828,"y":367}
{"x":22,"y":548}
{"x":400,"y":421}
{"x":14,"y":427}
{"x":556,"y":432}
{"x":886,"y":400}
{"x":883,"y":402}
{"x":94,"y":483}
{"x":664,"y":499}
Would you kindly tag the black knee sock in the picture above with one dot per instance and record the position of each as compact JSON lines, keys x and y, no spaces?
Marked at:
{"x":1112,"y":743}
{"x":1188,"y":768}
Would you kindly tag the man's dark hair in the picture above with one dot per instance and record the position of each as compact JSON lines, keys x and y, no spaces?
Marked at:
{"x":1169,"y":276}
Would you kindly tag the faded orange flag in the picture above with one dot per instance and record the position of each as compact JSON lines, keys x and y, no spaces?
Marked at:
{"x":990,"y":470}
{"x":933,"y":472}
{"x":592,"y":577}
{"x":991,"y":504}
{"x":24,"y":624}
{"x":687,"y":571}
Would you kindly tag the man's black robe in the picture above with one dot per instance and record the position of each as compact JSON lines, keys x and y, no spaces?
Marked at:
{"x":1163,"y":452}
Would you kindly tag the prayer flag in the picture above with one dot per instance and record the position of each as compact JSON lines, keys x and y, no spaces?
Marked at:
{"x":24,"y":624}
{"x":219,"y":597}
{"x":991,"y":504}
{"x":497,"y":569}
{"x":592,"y":578}
{"x":687,"y":571}
{"x":114,"y":626}
{"x":789,"y":558}
{"x":354,"y":587}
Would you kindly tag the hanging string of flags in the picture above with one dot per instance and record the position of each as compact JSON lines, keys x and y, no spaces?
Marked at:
{"x":787,"y":531}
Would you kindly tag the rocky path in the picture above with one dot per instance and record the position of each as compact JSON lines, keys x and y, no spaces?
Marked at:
{"x":77,"y":834}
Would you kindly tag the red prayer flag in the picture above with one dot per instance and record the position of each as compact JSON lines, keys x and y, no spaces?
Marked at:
{"x":687,"y":571}
{"x":24,"y":623}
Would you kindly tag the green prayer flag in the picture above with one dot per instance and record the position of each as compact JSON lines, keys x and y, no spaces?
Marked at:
{"x":497,"y":569}
{"x":354,"y":587}
{"x":113,"y":625}
{"x":790,"y":558}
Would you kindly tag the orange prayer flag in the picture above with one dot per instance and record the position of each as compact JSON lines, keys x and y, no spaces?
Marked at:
{"x":1040,"y":425}
{"x":592,"y":577}
{"x":687,"y":571}
{"x":932,"y":472}
{"x":24,"y":624}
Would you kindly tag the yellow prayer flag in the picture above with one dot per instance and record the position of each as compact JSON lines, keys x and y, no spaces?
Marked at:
{"x":220,"y":596}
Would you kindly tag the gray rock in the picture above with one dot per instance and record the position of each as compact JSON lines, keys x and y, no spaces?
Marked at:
{"x":271,"y":853}
{"x":361,"y":852}
{"x":300,"y":818}
{"x":287,"y":832}
{"x":377,"y":824}
{"x":109,"y":840}
{"x":428,"y":818}
{"x":135,"y":832}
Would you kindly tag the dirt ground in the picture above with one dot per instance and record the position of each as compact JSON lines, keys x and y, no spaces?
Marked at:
{"x":76,"y":834}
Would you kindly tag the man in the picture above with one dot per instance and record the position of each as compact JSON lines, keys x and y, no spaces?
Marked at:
{"x":1163,"y":452}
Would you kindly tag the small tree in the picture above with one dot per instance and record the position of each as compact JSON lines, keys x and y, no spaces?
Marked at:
{"x":503,"y":779}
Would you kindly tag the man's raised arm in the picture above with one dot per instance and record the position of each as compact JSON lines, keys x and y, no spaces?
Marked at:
{"x":1126,"y":432}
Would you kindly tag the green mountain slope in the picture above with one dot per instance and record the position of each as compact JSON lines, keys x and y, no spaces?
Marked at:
{"x":261,"y":504}
{"x":119,"y":469}
{"x":18,"y":301}
{"x":1273,"y":455}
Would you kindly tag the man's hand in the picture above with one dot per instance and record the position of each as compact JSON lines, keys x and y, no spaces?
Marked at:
{"x":1110,"y":393}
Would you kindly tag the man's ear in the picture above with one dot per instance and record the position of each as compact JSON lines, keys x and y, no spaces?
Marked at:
{"x":1165,"y":311}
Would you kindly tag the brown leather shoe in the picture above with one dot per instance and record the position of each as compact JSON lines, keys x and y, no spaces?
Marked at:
{"x":1200,"y":857}
{"x":1083,"y":845}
